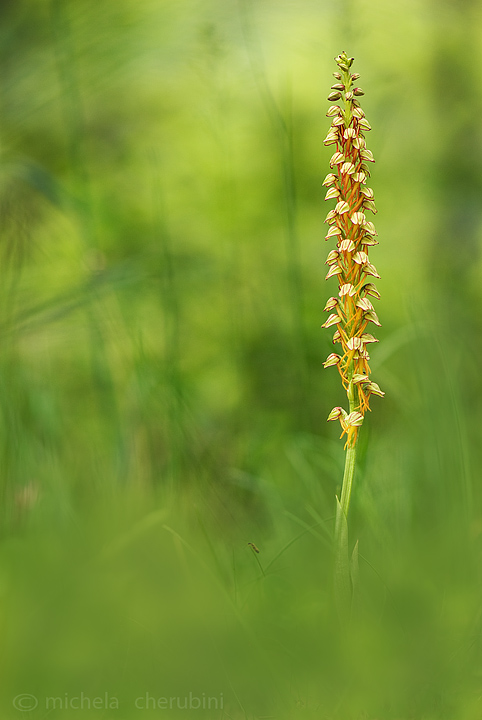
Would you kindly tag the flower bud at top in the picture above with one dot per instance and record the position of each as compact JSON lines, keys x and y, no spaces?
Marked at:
{"x":358,"y":91}
{"x":338,"y":86}
{"x":334,"y":96}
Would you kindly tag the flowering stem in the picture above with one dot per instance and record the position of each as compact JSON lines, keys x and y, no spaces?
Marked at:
{"x":351,"y":308}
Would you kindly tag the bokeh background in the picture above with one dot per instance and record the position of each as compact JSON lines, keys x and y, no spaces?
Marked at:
{"x":162,"y":396}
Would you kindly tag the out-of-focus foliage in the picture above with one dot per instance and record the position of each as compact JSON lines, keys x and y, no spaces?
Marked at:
{"x":162,"y":396}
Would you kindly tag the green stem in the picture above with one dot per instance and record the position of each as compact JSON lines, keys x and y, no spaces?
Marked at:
{"x":349,"y":458}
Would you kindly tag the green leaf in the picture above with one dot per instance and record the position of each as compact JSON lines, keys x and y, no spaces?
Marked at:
{"x":342,"y":582}
{"x":354,"y":568}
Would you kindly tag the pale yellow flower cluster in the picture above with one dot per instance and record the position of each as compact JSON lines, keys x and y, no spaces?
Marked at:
{"x":351,"y":310}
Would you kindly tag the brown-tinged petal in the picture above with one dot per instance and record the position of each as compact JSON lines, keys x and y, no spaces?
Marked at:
{"x":354,"y":419}
{"x":371,"y":289}
{"x":331,"y":304}
{"x":333,"y":319}
{"x":334,"y":270}
{"x":333,"y":256}
{"x":332,"y":359}
{"x":347,"y":168}
{"x":370,"y":269}
{"x":336,"y":414}
{"x":369,"y":338}
{"x":346,"y":245}
{"x":373,"y":317}
{"x":361,"y":258}
{"x":332,"y":193}
{"x":358,"y":378}
{"x":342,"y":207}
{"x":374,"y":389}
{"x":347,"y":289}
{"x":367,"y":155}
{"x":358,"y":218}
{"x":364,"y":304}
{"x":336,"y":159}
{"x":330,"y":179}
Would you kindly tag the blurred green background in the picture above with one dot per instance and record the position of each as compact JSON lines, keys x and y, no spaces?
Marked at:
{"x":162,"y":396}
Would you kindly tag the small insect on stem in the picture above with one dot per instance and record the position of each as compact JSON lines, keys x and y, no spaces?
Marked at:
{"x":253,"y":547}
